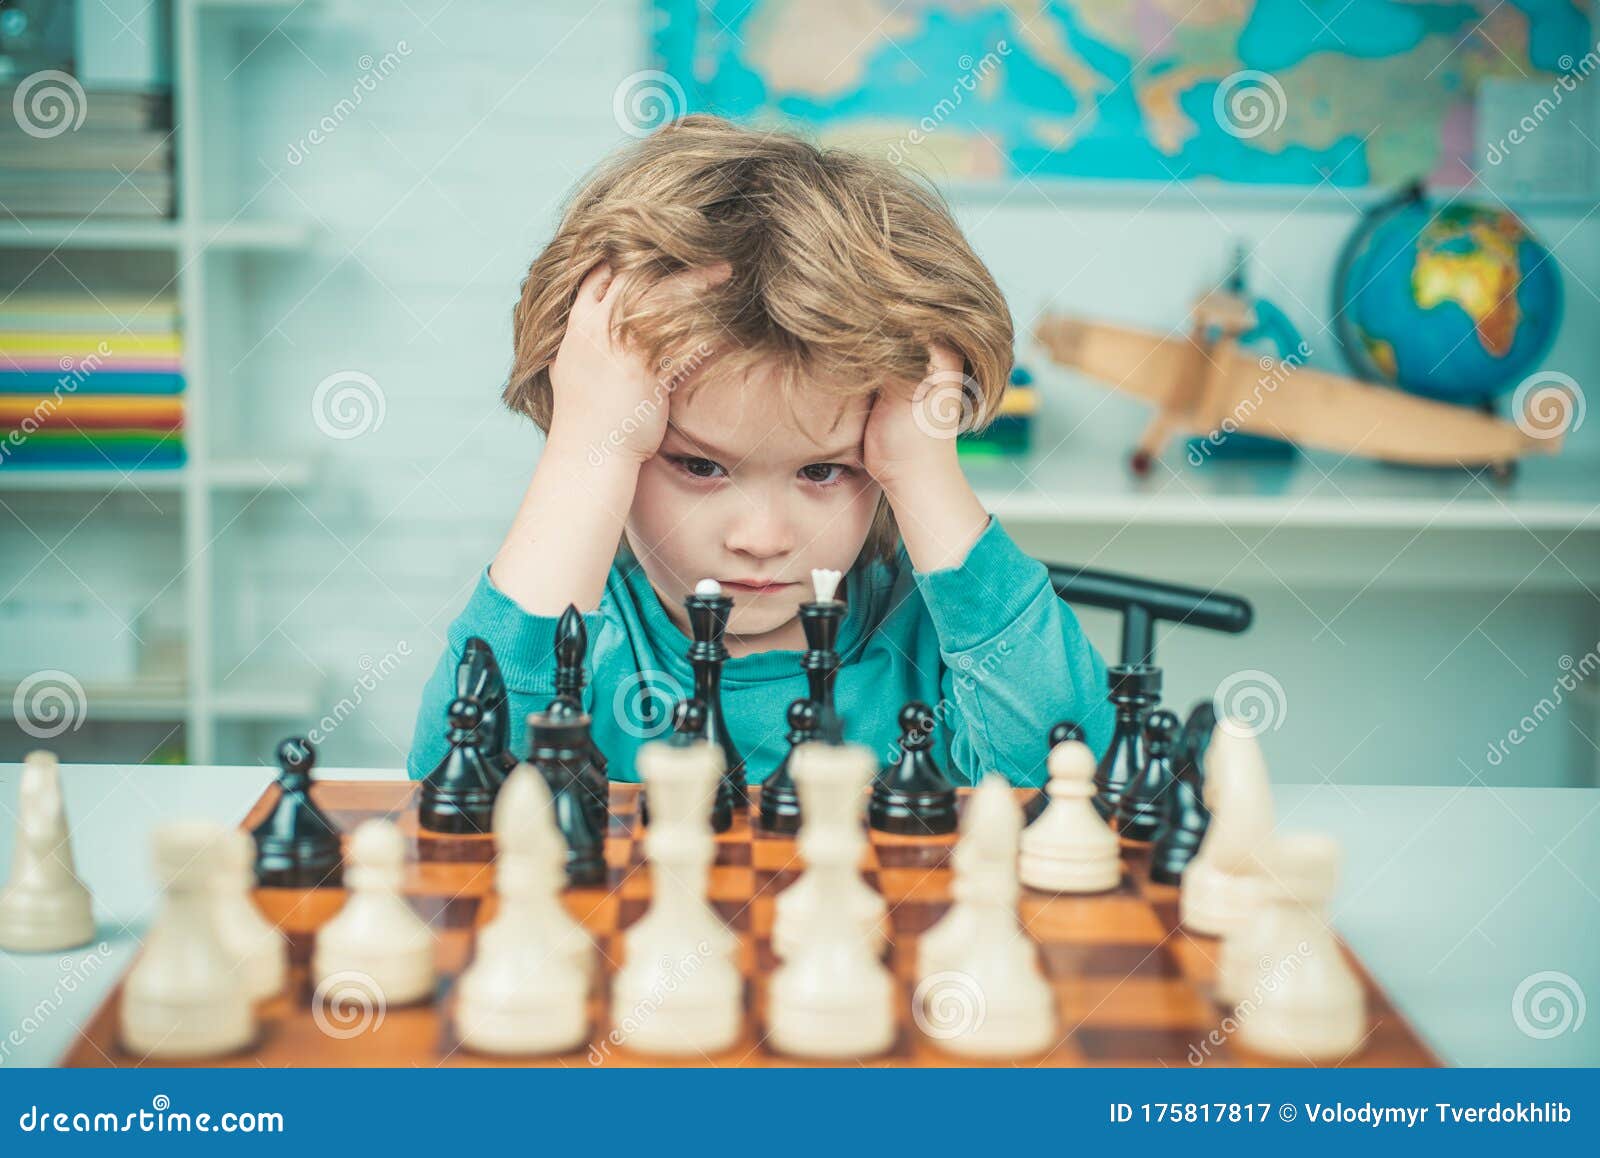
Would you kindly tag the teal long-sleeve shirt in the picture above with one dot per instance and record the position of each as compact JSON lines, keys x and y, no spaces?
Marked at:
{"x":987,"y":644}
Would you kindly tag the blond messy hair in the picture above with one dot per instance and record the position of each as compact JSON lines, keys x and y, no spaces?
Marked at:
{"x":844,"y":270}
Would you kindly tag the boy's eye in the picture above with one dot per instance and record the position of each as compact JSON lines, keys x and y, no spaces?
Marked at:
{"x":697,"y":467}
{"x":824,"y":473}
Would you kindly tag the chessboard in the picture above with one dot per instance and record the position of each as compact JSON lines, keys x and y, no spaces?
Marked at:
{"x":1132,"y":988}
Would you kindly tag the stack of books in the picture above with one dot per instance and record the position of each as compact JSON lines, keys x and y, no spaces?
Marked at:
{"x":1010,"y":433}
{"x":101,"y":154}
{"x":90,"y":382}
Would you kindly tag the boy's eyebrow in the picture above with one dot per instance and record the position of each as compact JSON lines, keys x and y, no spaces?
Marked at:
{"x":846,"y":451}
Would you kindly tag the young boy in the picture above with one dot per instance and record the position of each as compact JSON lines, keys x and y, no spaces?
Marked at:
{"x":751,"y":358}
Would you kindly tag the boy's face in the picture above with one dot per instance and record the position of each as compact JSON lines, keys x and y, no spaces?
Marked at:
{"x":741,"y":493}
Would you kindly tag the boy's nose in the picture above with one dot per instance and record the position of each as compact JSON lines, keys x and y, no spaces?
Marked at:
{"x":761,"y":529}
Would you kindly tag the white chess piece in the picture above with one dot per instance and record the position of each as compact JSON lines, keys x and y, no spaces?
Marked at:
{"x":1222,"y":884}
{"x":1297,"y":995}
{"x":1069,"y":849}
{"x":678,"y":991}
{"x":184,"y":998}
{"x":44,"y":907}
{"x":986,"y":845}
{"x":256,"y":948}
{"x":376,"y":947}
{"x":832,"y":997}
{"x":831,"y":843}
{"x":990,"y":975}
{"x":526,"y":990}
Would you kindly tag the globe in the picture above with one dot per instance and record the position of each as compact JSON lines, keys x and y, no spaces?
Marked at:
{"x":1459,"y":302}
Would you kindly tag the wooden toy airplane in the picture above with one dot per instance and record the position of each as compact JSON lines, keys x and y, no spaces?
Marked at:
{"x":1205,"y":384}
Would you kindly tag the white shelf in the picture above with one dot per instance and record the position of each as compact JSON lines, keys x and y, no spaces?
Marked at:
{"x":218,"y":475}
{"x":1072,"y":486}
{"x":241,"y":236}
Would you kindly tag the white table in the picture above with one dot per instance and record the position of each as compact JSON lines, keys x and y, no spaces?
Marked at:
{"x":1454,"y":897}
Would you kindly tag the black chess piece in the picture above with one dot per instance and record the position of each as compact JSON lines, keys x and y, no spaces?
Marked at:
{"x":1187,"y":816}
{"x":558,"y":748}
{"x":912,"y":796}
{"x":478,"y":678}
{"x":1059,"y":734}
{"x":821,"y":619}
{"x":457,"y":797}
{"x":1135,"y":690}
{"x":1144,"y":800}
{"x":708,"y":619}
{"x":297,"y":846}
{"x":572,"y":646}
{"x":780,"y":801}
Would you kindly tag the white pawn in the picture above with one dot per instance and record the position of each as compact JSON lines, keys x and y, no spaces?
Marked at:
{"x":257,"y":949}
{"x":527,"y":988}
{"x":1222,"y":884}
{"x":44,"y":906}
{"x":832,"y":997}
{"x":375,"y":948}
{"x":831,"y":843}
{"x":679,"y":991}
{"x":1300,"y":997}
{"x":1069,"y":849}
{"x":183,"y":997}
{"x":989,"y":975}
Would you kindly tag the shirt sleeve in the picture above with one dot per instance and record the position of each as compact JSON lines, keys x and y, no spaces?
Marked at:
{"x":1016,"y":661}
{"x":524,"y":647}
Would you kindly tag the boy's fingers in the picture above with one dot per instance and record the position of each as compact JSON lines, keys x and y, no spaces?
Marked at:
{"x":595,"y":283}
{"x":944,"y":360}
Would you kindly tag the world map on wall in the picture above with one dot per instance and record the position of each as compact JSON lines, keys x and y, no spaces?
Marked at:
{"x":1289,"y":92}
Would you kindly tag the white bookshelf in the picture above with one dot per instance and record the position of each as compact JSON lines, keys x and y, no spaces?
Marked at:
{"x":176,"y":681}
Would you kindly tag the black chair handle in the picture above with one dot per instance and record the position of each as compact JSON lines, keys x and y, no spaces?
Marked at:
{"x":1144,"y":602}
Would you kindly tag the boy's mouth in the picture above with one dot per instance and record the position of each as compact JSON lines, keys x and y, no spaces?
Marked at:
{"x":755,"y":586}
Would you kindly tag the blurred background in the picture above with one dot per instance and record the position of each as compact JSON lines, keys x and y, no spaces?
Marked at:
{"x":258,"y":259}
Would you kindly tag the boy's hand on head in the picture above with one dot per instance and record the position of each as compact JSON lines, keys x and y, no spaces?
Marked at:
{"x":911,"y":431}
{"x":607,"y":399}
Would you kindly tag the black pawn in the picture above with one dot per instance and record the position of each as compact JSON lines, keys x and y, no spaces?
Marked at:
{"x":780,"y":802}
{"x":558,"y":748}
{"x":1187,"y":817}
{"x":458,"y":796}
{"x":912,"y":796}
{"x":1135,"y":690}
{"x":1060,"y":734}
{"x":297,"y":846}
{"x":478,"y":678}
{"x":1144,"y":801}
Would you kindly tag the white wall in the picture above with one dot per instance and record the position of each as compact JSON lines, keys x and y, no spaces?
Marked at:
{"x":430,"y":199}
